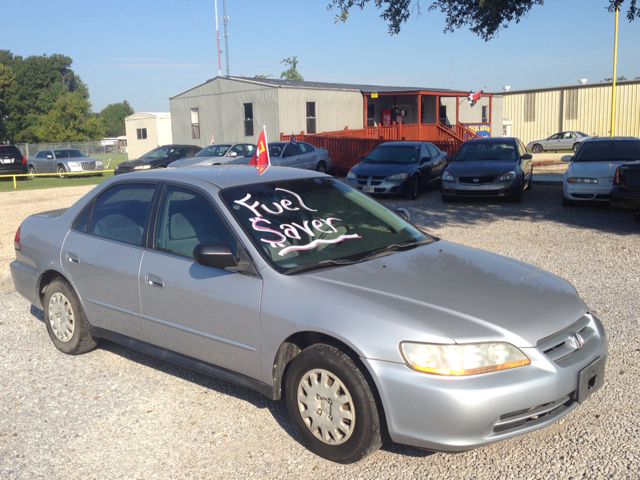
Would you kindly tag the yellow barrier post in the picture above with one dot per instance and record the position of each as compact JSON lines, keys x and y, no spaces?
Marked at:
{"x":615,"y":58}
{"x":66,"y":174}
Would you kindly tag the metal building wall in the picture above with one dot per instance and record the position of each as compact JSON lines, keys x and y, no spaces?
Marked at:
{"x":220,"y":108}
{"x":335,"y":109}
{"x":593,"y":111}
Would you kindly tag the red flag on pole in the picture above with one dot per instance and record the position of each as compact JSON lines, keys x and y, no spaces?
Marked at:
{"x":474,"y":97}
{"x":261,"y":155}
{"x":211,"y":142}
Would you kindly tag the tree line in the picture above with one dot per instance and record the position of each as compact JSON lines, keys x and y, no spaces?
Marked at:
{"x":42,"y":100}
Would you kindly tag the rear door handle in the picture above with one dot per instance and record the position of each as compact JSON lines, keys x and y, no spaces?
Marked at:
{"x":154,"y":280}
{"x":72,"y":258}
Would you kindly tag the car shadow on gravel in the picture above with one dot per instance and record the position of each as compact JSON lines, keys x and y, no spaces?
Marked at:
{"x":542,"y":203}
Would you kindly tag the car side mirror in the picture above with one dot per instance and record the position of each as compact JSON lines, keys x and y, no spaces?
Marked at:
{"x":404,"y":213}
{"x":175,"y":155}
{"x":233,"y":154}
{"x":361,"y":157}
{"x":49,"y":156}
{"x":286,"y":154}
{"x":448,"y":158}
{"x":567,"y":158}
{"x":215,"y":255}
{"x":527,"y":156}
{"x":424,"y":159}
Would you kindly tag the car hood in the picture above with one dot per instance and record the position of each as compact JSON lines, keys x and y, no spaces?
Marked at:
{"x":142,"y":161}
{"x":480,"y":167}
{"x":188,"y":162}
{"x":469,"y":295}
{"x":602,"y":170}
{"x":383,"y":169}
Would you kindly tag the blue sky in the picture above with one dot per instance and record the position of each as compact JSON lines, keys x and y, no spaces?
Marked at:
{"x":146,"y":51}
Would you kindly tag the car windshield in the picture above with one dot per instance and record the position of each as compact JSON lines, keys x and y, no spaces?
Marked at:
{"x":393,"y":154}
{"x":608,"y":150}
{"x":317,"y":222}
{"x":474,"y":151}
{"x":73,"y":153}
{"x":213,"y":151}
{"x":160,"y":152}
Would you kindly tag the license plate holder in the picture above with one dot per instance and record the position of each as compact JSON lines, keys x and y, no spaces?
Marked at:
{"x":368,"y":189}
{"x":590,"y":379}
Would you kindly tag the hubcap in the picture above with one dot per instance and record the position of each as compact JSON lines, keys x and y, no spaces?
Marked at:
{"x":61,"y":317}
{"x":326,"y":407}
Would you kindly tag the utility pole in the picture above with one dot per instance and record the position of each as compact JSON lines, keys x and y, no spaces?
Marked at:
{"x":613,"y":86}
{"x":226,"y":35}
{"x":217,"y":38}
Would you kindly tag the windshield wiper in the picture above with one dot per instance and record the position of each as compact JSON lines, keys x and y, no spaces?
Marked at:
{"x":320,"y":265}
{"x":394,"y":247}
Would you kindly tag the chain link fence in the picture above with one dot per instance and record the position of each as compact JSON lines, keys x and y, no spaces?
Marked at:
{"x":110,"y":154}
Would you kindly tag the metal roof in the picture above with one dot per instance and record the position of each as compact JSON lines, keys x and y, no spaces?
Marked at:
{"x":567,"y":87}
{"x":277,"y":83}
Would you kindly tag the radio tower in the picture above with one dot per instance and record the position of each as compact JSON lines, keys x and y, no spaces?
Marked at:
{"x":226,"y":35}
{"x":217,"y":37}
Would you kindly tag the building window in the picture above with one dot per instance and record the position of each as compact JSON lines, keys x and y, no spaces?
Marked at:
{"x":442,"y":114}
{"x":529,"y":107}
{"x":195,"y":123}
{"x":142,"y":133}
{"x":571,"y":111}
{"x":311,"y":117}
{"x":248,"y":119}
{"x":485,"y":114}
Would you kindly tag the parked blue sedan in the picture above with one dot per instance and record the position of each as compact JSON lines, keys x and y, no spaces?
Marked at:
{"x":399,"y":168}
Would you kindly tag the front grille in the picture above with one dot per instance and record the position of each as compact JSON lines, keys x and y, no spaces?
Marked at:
{"x":561,"y":345}
{"x":374,"y":179}
{"x":481,"y":180}
{"x":125,"y":169}
{"x":531,"y":416}
{"x":88,"y":165}
{"x":479,"y":193}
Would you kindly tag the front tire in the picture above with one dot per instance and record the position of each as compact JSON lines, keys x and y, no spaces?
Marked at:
{"x":414,"y":188}
{"x":519,"y":195}
{"x":66,"y":322}
{"x":61,"y":171}
{"x":537,"y":148}
{"x":331,"y":405}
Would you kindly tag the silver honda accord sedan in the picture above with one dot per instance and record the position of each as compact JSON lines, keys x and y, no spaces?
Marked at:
{"x":296,"y":285}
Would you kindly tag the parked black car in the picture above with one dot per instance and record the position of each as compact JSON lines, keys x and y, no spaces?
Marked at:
{"x":158,"y":158}
{"x":625,"y":193}
{"x":12,"y":162}
{"x":488,"y":167}
{"x":399,"y":168}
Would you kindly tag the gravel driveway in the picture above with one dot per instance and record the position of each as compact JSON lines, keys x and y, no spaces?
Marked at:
{"x":115,"y":413}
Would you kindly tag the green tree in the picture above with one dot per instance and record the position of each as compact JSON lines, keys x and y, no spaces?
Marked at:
{"x":70,"y":120}
{"x":6,"y":79}
{"x":113,"y":115}
{"x":291,"y":73}
{"x":485,"y":18}
{"x":38,"y":83}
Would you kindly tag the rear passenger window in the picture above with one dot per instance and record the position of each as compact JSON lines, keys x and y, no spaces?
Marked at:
{"x":186,"y":219}
{"x":121,"y":213}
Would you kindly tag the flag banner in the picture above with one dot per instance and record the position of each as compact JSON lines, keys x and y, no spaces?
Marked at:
{"x":261,"y":154}
{"x":211,"y":142}
{"x":474,"y":97}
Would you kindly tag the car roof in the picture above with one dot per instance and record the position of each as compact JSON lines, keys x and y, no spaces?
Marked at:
{"x":224,"y":176}
{"x":402,"y":143}
{"x":491,"y":139}
{"x":605,"y":139}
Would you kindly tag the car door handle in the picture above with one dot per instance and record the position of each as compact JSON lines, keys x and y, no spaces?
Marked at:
{"x":72,"y":258}
{"x":153,"y":280}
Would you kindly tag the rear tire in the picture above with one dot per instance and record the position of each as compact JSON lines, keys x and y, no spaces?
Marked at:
{"x":321,"y":167}
{"x":331,"y":405}
{"x":66,"y":322}
{"x":32,"y":172}
{"x":537,"y":148}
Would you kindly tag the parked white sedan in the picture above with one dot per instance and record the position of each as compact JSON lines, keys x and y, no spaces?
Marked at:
{"x":590,"y":174}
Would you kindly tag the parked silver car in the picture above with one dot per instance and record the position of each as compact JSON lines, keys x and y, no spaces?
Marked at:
{"x":64,"y":160}
{"x":299,"y":155}
{"x":558,"y":141}
{"x":295,"y":284}
{"x":217,"y":155}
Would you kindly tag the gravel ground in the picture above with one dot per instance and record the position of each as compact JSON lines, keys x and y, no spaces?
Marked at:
{"x":115,"y":413}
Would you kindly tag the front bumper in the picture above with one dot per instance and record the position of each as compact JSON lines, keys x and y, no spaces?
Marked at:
{"x":584,"y":192}
{"x":379,"y":185}
{"x":506,"y":188}
{"x":455,"y":414}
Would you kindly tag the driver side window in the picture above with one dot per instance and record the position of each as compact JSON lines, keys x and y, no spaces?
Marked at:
{"x":187,"y":219}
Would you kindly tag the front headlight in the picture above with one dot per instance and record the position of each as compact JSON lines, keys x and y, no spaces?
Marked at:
{"x":455,"y":360}
{"x":512,"y":175}
{"x":142,"y":167}
{"x":351,"y":175}
{"x":73,"y":164}
{"x":581,"y":180}
{"x":447,"y":177}
{"x":98,"y":163}
{"x":398,"y":176}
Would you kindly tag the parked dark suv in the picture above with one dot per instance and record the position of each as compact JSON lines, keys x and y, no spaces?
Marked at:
{"x":158,"y":158}
{"x":12,"y":161}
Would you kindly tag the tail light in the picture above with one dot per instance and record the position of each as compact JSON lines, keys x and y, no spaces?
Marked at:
{"x":616,"y":177}
{"x":16,"y":239}
{"x":24,"y":160}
